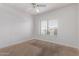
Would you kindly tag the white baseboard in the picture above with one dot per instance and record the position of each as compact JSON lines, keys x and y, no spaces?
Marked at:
{"x":15,"y":42}
{"x":60,"y":43}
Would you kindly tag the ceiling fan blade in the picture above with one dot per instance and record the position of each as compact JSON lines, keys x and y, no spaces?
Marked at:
{"x":38,"y":5}
{"x":41,"y":5}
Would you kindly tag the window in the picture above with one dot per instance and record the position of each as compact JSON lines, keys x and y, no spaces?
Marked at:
{"x":49,"y":27}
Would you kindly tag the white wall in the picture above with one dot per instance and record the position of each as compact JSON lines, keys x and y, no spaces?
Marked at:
{"x":78,"y":21}
{"x":14,"y":26}
{"x":67,"y":25}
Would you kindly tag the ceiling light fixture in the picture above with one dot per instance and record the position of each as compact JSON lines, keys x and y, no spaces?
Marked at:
{"x":37,"y":10}
{"x":36,"y":7}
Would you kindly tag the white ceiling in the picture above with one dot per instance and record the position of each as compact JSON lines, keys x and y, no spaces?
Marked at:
{"x":28,"y":8}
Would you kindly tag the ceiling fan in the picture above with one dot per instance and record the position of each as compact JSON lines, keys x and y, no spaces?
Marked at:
{"x":37,"y":5}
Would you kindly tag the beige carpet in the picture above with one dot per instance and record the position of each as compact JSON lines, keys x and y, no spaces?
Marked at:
{"x":38,"y":48}
{"x":52,"y":49}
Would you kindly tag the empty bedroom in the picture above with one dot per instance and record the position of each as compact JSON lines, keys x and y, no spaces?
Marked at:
{"x":39,"y":29}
